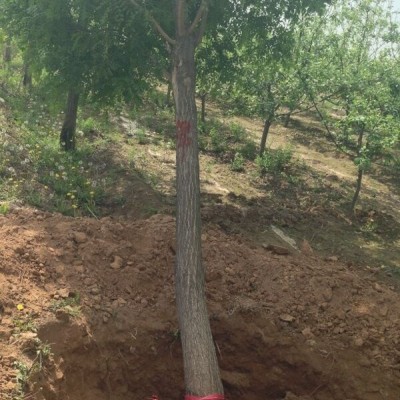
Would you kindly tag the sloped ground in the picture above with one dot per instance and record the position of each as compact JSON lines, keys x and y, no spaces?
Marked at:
{"x":286,"y":326}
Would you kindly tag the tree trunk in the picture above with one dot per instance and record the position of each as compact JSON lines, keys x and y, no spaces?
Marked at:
{"x":360,"y":169}
{"x":67,"y":136}
{"x":287,"y":119}
{"x":7,"y":54}
{"x":203,"y":97}
{"x":199,"y":356}
{"x":27,"y":78}
{"x":168,"y":101}
{"x":358,"y":188}
{"x":267,"y":125}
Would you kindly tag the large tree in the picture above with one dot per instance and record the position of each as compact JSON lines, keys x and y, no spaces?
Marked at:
{"x":184,"y":24}
{"x":200,"y":360}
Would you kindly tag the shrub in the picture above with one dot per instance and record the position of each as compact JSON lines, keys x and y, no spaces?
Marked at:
{"x":237,"y":163}
{"x":249,"y":150}
{"x":142,"y":137}
{"x":217,"y":141}
{"x":238,"y":133}
{"x":274,"y":161}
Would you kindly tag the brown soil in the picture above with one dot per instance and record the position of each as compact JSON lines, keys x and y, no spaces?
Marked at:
{"x":290,"y":326}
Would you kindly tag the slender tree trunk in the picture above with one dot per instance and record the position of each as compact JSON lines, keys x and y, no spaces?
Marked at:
{"x":7,"y":53}
{"x":168,"y":101}
{"x":360,"y":169}
{"x":358,"y":188}
{"x":67,"y":136}
{"x":267,"y":125}
{"x":27,"y":78}
{"x":203,"y":98}
{"x":199,"y":356}
{"x":287,"y":119}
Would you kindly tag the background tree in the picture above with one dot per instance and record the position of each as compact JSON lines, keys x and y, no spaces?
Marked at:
{"x":354,"y":71}
{"x":88,"y":49}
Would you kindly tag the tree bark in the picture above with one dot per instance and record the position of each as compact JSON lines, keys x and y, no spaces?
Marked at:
{"x":267,"y":125}
{"x":67,"y":136}
{"x":200,"y":361}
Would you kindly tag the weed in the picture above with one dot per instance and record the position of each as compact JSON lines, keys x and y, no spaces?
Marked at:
{"x":71,"y":305}
{"x":43,"y":353}
{"x":88,"y":125}
{"x":370,"y":226}
{"x":237,"y":163}
{"x":24,"y":324}
{"x":142,"y":137}
{"x":22,"y":377}
{"x":4,"y":208}
{"x":274,"y":161}
{"x":249,"y":151}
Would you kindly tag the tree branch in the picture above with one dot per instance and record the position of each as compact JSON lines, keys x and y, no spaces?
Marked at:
{"x":154,"y":22}
{"x":200,"y":14}
{"x":203,"y":25}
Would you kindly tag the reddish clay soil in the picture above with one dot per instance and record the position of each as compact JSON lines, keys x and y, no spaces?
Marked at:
{"x":285,"y":326}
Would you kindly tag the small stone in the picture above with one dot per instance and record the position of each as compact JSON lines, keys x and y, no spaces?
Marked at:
{"x":327,"y":294}
{"x":286,"y":318}
{"x":306,"y":332}
{"x":60,"y":269}
{"x":80,"y":269}
{"x":378,"y":288}
{"x":59,"y":374}
{"x":279,"y":250}
{"x":10,"y":385}
{"x":28,"y":335}
{"x":87,"y":281}
{"x":80,"y":237}
{"x":332,"y":258}
{"x":105,"y":319}
{"x":384,"y":311}
{"x":144,"y":302}
{"x":117,"y":263}
{"x":64,"y":293}
{"x":95,"y":290}
{"x":358,"y":342}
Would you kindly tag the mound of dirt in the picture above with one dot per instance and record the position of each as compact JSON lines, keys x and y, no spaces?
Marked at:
{"x":285,"y":326}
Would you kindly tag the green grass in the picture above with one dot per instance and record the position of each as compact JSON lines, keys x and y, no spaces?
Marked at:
{"x":4,"y":208}
{"x":24,"y":323}
{"x":71,"y":305}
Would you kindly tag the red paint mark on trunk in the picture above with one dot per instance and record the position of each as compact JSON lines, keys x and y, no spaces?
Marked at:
{"x":183,"y":140}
